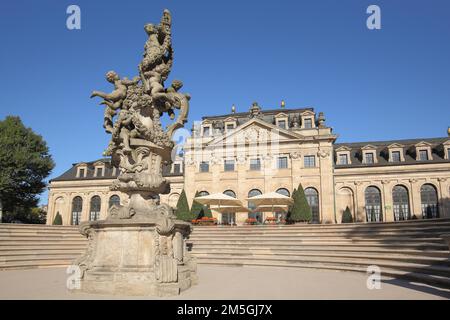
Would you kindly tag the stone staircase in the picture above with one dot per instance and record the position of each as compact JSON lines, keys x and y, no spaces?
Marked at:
{"x":412,"y":250}
{"x":38,"y":246}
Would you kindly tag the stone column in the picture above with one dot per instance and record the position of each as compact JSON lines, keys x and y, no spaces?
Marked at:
{"x":444,"y":205}
{"x":388,"y":213}
{"x":326,"y":193}
{"x":359,"y":202}
{"x":415,"y":193}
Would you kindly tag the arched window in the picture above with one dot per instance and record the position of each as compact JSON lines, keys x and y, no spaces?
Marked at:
{"x":312,"y":196}
{"x":429,"y":199}
{"x":77,"y":208}
{"x":257,"y":215}
{"x":401,"y":203}
{"x":373,"y":204}
{"x":203,"y":193}
{"x":94,"y":213}
{"x":284,"y":192}
{"x":230,"y":193}
{"x":114,"y":200}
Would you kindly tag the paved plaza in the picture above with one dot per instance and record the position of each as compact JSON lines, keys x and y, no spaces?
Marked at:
{"x":233,"y":283}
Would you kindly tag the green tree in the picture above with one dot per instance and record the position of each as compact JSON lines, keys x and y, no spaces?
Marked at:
{"x":182,"y":212}
{"x":347,"y":216}
{"x":58,"y":220}
{"x":25,"y":164}
{"x":199,"y":210}
{"x":300,"y":211}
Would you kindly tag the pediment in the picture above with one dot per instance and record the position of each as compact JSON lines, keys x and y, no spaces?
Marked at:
{"x":281,"y":115}
{"x":343,"y":148}
{"x":307,"y":113}
{"x":230,"y":119}
{"x":423,"y":144}
{"x":256,"y":130}
{"x":99,"y":163}
{"x":369,"y":147}
{"x":446,"y":143}
{"x":395,"y":145}
{"x":81,"y":164}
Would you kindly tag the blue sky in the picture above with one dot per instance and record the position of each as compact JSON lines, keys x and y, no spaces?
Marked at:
{"x":391,"y":83}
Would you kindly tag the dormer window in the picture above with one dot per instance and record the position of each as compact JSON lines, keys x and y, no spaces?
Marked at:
{"x":98,"y":172}
{"x":343,"y":158}
{"x":230,"y":127}
{"x":177,"y":168}
{"x":423,"y":151}
{"x":343,"y":155}
{"x":206,"y":131}
{"x":308,"y":123}
{"x":369,"y":158}
{"x":81,"y":170}
{"x":281,"y":120}
{"x":423,"y":155}
{"x":395,"y":152}
{"x":448,"y":153}
{"x":369,"y":154}
{"x":395,"y":156}
{"x":282,"y":124}
{"x":308,"y":119}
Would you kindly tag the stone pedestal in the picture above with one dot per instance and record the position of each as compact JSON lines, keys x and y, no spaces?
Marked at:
{"x":136,"y":257}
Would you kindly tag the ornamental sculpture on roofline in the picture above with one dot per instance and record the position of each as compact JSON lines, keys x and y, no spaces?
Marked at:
{"x":140,"y":249}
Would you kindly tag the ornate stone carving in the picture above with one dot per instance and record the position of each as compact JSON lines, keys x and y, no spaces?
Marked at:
{"x":322,"y":153}
{"x":139,"y":249}
{"x":295,"y":155}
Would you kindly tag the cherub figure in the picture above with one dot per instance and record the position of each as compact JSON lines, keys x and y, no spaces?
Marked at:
{"x":114,"y":100}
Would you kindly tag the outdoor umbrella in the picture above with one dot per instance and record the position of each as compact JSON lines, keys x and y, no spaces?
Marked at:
{"x":218,"y":199}
{"x":271,"y":199}
{"x":230,"y":209}
{"x":276,"y":208}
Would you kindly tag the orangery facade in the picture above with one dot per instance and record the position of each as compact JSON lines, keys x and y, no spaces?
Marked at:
{"x":244,"y":154}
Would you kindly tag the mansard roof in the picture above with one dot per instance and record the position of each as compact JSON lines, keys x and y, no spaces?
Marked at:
{"x":409,"y":146}
{"x":71,"y":174}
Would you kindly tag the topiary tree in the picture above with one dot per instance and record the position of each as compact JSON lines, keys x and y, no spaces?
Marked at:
{"x":347,"y":216}
{"x":182,"y":211}
{"x":199,"y":210}
{"x":58,"y":220}
{"x":300,"y":211}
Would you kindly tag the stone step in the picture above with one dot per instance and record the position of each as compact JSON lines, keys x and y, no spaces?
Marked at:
{"x":5,"y":254}
{"x":324,"y":250}
{"x":284,"y":244}
{"x":440,"y":270}
{"x":434,"y":280}
{"x":419,"y":233}
{"x":41,"y":243}
{"x":392,"y":256}
{"x":314,"y":238}
{"x":15,"y":265}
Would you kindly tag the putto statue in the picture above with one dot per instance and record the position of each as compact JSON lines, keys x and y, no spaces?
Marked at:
{"x":140,"y":248}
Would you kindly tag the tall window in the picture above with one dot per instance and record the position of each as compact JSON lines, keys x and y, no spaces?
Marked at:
{"x":257,"y":215}
{"x":77,"y":208}
{"x":177,"y":168}
{"x":98,"y":172}
{"x":228,"y":165}
{"x":309,"y":161}
{"x":282,"y":162}
{"x":429,"y":199}
{"x":204,"y":166}
{"x":448,"y":154}
{"x":284,"y":192}
{"x":395,"y":156}
{"x":308,"y":123}
{"x":206,"y":131}
{"x":312,"y":196}
{"x":423,"y":155}
{"x":401,"y":203}
{"x":255,"y":164}
{"x":82,"y":173}
{"x":94,"y":213}
{"x":373,"y":204}
{"x":230,"y":193}
{"x":282,"y":124}
{"x":343,"y":159}
{"x":369,"y":158}
{"x":114,"y":200}
{"x":203,"y":193}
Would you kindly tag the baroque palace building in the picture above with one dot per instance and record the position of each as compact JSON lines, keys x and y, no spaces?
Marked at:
{"x":250,"y":153}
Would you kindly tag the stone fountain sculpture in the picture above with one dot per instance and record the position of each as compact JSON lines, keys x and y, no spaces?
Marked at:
{"x":140,"y":249}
